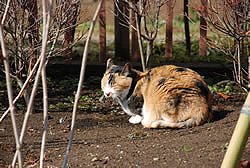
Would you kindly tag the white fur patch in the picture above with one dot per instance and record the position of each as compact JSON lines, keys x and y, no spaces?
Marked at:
{"x":143,"y":110}
{"x":146,"y":120}
{"x":166,"y":119}
{"x":107,"y":90}
{"x":125,"y":108}
{"x":156,"y":124}
{"x":135,"y":119}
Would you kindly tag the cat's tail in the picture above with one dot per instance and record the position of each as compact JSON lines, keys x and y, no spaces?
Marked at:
{"x":167,"y":124}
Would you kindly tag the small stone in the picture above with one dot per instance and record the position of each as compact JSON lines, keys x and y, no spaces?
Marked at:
{"x":106,"y":158}
{"x":94,"y":159}
{"x":155,"y":159}
{"x":61,"y":120}
{"x":90,"y":154}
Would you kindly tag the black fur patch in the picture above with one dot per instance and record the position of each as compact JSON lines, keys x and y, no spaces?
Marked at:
{"x":178,"y":100}
{"x":116,"y":69}
{"x":135,"y":104}
{"x":161,"y":81}
{"x":111,"y":77}
{"x":181,"y":69}
{"x":203,"y":89}
{"x":148,"y":76}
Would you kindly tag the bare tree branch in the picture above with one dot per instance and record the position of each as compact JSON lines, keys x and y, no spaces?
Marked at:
{"x":230,"y":18}
{"x":10,"y":95}
{"x":147,"y":17}
{"x":46,"y":23}
{"x":82,"y":73}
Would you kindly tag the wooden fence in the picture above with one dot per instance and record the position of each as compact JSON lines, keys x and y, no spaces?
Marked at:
{"x":122,"y":33}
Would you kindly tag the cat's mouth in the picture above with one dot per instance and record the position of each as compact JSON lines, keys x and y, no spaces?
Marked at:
{"x":106,"y":96}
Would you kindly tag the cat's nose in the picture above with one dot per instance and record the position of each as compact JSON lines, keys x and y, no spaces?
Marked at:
{"x":108,"y":94}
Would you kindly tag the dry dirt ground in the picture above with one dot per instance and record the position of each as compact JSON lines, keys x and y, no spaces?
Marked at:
{"x":104,"y":137}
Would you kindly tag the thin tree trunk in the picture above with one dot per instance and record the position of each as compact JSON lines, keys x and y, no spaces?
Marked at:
{"x":79,"y":88}
{"x":169,"y":29}
{"x":9,"y":87}
{"x":121,"y":32}
{"x":150,"y":47}
{"x":10,"y":93}
{"x":186,"y":26}
{"x":135,"y":45}
{"x":68,"y":33}
{"x":33,"y":27}
{"x":138,"y":22}
{"x":203,"y":30}
{"x":102,"y":34}
{"x":46,"y":23}
{"x":25,"y":85}
{"x":45,"y":115}
{"x":27,"y":91}
{"x":248,"y":73}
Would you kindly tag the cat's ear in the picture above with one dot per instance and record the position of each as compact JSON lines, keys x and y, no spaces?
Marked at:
{"x":109,"y":63}
{"x":126,"y":71}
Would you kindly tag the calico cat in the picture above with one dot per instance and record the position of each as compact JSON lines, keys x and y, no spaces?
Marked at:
{"x":165,"y":96}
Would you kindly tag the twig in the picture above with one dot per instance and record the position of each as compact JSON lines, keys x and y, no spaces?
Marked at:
{"x":45,"y":115}
{"x":140,"y":43}
{"x":23,"y":88}
{"x":5,"y":12}
{"x":44,"y":81}
{"x":46,"y":21}
{"x":82,"y":73}
{"x":10,"y":94}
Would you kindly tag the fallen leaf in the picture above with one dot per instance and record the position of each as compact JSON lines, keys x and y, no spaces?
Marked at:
{"x":244,"y":164}
{"x":223,"y":95}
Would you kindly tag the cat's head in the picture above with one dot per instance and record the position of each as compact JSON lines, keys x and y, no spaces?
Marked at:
{"x":116,"y":81}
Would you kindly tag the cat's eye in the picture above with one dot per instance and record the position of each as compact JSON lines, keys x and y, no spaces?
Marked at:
{"x":110,"y":78}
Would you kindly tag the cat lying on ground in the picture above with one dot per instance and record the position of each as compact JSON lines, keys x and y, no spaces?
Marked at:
{"x":165,"y":96}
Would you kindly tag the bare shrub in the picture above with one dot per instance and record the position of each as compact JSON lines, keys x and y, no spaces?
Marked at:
{"x":229,"y":21}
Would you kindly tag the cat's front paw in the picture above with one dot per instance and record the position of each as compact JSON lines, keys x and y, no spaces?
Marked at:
{"x":135,"y":119}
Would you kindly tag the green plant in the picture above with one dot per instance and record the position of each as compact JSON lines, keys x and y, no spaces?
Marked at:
{"x":195,"y":17}
{"x":224,"y":147}
{"x":137,"y":134}
{"x":70,"y":99}
{"x":186,"y":149}
{"x":52,"y":106}
{"x":212,"y":88}
{"x":84,"y":98}
{"x":82,"y":107}
{"x":2,"y":107}
{"x":19,"y":106}
{"x":3,"y":84}
{"x":113,"y":111}
{"x":61,"y":106}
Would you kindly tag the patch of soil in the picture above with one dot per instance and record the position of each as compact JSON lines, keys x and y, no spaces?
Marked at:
{"x":104,"y":137}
